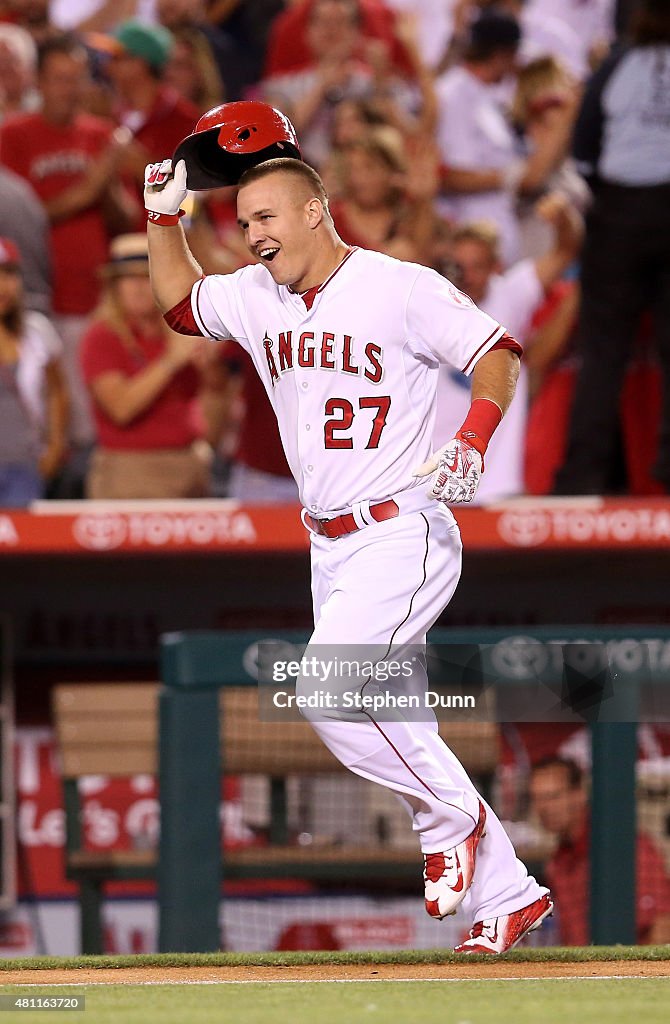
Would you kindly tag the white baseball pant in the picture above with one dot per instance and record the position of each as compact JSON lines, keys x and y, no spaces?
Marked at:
{"x":387,"y":584}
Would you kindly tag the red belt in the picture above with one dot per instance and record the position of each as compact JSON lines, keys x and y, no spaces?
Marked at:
{"x":340,"y":525}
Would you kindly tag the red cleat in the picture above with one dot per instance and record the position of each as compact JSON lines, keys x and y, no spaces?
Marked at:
{"x":498,"y":934}
{"x":448,"y":876}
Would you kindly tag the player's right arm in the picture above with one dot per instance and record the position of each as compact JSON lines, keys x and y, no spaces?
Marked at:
{"x":172,"y":266}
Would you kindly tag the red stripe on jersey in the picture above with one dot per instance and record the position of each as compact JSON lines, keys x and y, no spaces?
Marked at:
{"x":180,"y":318}
{"x":483,"y":345}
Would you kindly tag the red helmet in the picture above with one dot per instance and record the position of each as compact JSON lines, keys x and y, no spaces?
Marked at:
{"x":231,"y":138}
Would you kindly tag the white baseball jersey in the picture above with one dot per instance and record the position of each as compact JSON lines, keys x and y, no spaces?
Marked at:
{"x":353,"y":379}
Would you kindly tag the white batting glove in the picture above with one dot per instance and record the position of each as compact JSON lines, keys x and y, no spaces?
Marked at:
{"x":456,"y":470}
{"x":165,"y":191}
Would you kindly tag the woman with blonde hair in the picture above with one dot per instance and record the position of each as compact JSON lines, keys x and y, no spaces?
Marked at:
{"x":144,"y":380}
{"x":544,"y":107}
{"x":386,"y":203}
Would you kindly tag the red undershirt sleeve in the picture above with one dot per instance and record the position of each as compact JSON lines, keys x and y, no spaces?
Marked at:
{"x":508,"y":342}
{"x":180,"y":318}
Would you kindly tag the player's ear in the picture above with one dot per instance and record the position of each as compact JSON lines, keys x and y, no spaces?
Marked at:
{"x":314,"y":211}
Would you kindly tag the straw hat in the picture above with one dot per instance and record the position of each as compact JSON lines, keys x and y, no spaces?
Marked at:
{"x":128,"y":254}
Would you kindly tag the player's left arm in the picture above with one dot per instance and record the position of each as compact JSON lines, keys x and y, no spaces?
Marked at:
{"x":494,"y":379}
{"x":457,"y":467}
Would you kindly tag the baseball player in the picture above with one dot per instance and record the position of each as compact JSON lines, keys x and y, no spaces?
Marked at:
{"x":348,"y":344}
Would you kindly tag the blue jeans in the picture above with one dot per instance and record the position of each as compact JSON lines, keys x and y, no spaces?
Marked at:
{"x":19,"y":485}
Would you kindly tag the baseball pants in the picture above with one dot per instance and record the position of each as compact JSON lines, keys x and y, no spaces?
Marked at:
{"x":385,"y":586}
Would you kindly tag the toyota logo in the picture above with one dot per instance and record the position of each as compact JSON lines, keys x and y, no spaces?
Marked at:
{"x":525,"y":529}
{"x":100,"y":533}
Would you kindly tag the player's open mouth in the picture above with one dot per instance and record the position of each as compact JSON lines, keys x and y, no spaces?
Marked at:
{"x":267,"y":255}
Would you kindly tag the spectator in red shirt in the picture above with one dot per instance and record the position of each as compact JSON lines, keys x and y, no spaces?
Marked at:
{"x":71,"y":160}
{"x":288,"y":50}
{"x":144,"y":381}
{"x":341,"y":66}
{"x":158,"y":117}
{"x":560,"y":800}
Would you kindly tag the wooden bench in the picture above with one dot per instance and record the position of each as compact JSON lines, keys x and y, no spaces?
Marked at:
{"x":112,"y":729}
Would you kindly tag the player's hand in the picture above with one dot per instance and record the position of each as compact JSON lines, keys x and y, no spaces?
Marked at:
{"x":456,"y":470}
{"x":164,"y":189}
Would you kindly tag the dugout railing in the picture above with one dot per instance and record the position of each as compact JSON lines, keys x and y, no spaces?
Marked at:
{"x":606,"y":677}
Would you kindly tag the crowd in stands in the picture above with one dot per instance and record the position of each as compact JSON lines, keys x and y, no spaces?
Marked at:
{"x":521,"y":148}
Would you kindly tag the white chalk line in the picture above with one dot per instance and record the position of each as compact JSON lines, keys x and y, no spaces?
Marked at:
{"x":332,"y":981}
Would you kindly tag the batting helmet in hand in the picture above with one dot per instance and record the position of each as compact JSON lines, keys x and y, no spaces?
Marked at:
{"x":231,"y":138}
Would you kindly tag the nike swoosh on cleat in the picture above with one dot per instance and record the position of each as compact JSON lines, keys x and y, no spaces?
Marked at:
{"x":459,"y":884}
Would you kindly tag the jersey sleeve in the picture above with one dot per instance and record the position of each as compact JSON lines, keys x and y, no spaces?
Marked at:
{"x":443,"y":323}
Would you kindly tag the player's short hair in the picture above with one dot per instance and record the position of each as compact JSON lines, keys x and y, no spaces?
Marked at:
{"x":574,"y":775}
{"x":288,"y":165}
{"x":482,"y":231}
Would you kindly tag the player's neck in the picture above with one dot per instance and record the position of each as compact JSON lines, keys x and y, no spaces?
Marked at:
{"x":322,"y":268}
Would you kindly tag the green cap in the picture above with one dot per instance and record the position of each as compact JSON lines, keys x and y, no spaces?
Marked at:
{"x":152,"y":43}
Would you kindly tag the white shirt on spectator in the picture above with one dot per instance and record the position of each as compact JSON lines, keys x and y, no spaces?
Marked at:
{"x":511,"y":298}
{"x":473,"y":133}
{"x":40,"y":345}
{"x":435,"y":25}
{"x":68,"y":14}
{"x":545,"y":34}
{"x":591,"y":22}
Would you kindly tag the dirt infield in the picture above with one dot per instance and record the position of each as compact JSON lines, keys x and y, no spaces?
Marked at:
{"x":333,"y":972}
